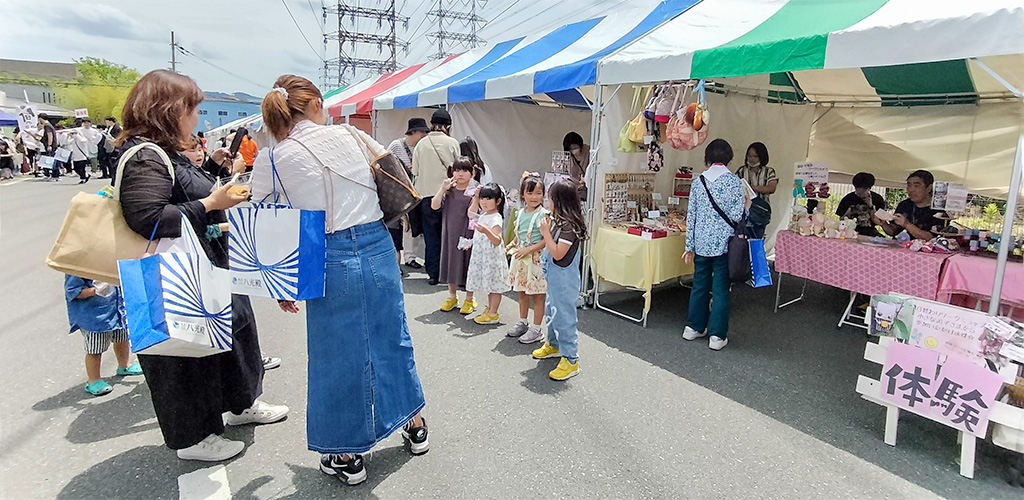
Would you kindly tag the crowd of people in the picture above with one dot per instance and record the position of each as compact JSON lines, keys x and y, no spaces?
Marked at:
{"x":363,"y":383}
{"x":52,"y":150}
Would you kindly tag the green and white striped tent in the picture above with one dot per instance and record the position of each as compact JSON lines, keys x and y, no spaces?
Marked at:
{"x":874,"y":49}
{"x":880,"y":86}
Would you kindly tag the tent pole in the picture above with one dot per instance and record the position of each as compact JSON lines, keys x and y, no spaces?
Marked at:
{"x":590,"y":179}
{"x":1006,"y":240}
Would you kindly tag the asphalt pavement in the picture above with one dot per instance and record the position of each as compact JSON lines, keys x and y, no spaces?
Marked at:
{"x":774,"y":415}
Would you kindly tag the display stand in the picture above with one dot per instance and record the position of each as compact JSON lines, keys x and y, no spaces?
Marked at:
{"x":871,"y":390}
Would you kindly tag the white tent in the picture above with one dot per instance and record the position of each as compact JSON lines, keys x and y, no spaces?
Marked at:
{"x":865,"y":71}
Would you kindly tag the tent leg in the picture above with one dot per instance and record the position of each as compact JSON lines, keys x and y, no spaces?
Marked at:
{"x":590,"y":179}
{"x":1006,"y":240}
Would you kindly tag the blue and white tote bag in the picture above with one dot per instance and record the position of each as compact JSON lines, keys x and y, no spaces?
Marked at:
{"x":177,"y":303}
{"x":277,"y":251}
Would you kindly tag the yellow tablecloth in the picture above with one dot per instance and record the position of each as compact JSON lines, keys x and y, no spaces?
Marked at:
{"x":629,"y":260}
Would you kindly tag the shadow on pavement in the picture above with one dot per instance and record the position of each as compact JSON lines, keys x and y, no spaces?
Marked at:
{"x":311,"y":483}
{"x":145,"y":472}
{"x":796,"y":367}
{"x":105,"y":417}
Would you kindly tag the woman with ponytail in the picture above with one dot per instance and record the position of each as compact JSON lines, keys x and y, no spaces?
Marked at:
{"x":190,"y":394}
{"x":363,"y":384}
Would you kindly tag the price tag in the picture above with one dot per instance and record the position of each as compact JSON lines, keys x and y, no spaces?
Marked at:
{"x":646,"y":235}
{"x":648,"y":139}
{"x":1001,"y":328}
{"x":653,"y":214}
{"x":673,"y":200}
{"x":663,"y":208}
{"x":656,"y":196}
{"x":630,"y":204}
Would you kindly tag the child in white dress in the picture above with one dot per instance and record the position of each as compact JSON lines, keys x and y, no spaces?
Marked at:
{"x":488,"y":268}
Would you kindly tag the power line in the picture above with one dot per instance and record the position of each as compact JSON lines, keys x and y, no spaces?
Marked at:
{"x":300,"y":31}
{"x":311,"y":9}
{"x":495,"y":18}
{"x":240,"y":77}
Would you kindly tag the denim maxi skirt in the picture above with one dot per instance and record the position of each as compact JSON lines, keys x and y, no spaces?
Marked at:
{"x":362,"y":376}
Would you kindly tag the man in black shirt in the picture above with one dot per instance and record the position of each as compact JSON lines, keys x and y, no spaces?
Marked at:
{"x":915,"y":214}
{"x":861,"y":204}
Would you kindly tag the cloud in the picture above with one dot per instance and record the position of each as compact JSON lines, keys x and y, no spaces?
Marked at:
{"x":101,"y":20}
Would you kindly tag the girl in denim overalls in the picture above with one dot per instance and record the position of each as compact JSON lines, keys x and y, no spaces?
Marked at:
{"x":561,"y":261}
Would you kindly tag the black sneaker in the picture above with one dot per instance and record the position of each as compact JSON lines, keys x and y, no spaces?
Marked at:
{"x":351,"y":472}
{"x":412,"y":264}
{"x":416,"y":437}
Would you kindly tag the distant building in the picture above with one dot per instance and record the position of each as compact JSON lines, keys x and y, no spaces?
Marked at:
{"x":18,"y":78}
{"x":219,"y":108}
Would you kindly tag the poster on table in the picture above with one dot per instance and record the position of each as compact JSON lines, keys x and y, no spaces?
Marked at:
{"x":949,"y":197}
{"x":959,"y":394}
{"x":811,"y":180}
{"x":947,"y":330}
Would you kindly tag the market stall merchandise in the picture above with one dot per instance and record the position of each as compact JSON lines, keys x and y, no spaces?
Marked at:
{"x":637,"y":262}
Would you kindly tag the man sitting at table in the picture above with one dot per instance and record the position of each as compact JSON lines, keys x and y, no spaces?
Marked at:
{"x":861,"y":204}
{"x":915,"y":214}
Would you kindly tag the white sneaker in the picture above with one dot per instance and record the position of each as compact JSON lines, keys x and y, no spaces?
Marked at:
{"x":532,"y":335}
{"x":717,"y":343}
{"x":212,"y":449}
{"x":258,"y":413}
{"x":691,"y":334}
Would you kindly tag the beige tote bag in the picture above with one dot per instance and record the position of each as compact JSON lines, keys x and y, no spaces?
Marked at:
{"x":95,"y":236}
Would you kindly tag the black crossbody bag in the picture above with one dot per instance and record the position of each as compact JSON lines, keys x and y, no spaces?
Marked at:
{"x":737,"y":248}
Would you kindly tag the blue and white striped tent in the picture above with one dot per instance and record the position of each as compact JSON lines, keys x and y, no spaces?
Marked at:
{"x":548,"y":67}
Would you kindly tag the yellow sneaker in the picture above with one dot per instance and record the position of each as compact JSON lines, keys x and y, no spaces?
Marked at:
{"x":486,"y":319}
{"x":546,"y":352}
{"x":468,"y":307}
{"x":565,"y":370}
{"x":449,"y":304}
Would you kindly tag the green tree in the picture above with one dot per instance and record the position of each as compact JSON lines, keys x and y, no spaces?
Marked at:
{"x":101,"y":87}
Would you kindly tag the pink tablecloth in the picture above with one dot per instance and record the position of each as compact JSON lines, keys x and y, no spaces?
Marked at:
{"x":974,"y":276}
{"x":860,"y":268}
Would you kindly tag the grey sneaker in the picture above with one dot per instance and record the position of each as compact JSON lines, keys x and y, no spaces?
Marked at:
{"x":518,"y":330}
{"x":717,"y":343}
{"x":691,"y":334}
{"x":532,"y":335}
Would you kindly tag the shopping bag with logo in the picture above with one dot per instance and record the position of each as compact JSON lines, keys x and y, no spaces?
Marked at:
{"x":275,"y":250}
{"x":177,"y":303}
{"x":762,"y":275}
{"x":94,"y":235}
{"x":63,"y":155}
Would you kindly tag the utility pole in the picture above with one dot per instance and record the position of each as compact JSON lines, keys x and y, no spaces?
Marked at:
{"x":385,"y":38}
{"x":174,"y":49}
{"x":443,"y":35}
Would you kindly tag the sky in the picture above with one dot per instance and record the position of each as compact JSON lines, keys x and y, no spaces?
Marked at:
{"x":244,"y":46}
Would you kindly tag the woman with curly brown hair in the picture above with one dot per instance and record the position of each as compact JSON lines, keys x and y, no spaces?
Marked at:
{"x":190,"y":395}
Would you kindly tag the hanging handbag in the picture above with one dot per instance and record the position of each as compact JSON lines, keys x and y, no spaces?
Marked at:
{"x":95,"y":236}
{"x":663,"y":111}
{"x":737,"y":247}
{"x":625,"y":144}
{"x":638,"y":127}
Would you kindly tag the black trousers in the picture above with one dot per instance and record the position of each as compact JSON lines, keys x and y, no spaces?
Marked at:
{"x":431,"y":238}
{"x":191,"y":394}
{"x":80,"y":168}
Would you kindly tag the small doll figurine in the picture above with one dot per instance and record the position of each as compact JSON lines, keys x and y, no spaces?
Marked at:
{"x":798,"y":189}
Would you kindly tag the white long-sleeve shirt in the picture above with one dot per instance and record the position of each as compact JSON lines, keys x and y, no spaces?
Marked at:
{"x":345,"y":189}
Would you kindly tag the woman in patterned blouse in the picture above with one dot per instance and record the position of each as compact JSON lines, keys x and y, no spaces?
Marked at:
{"x":706,"y":235}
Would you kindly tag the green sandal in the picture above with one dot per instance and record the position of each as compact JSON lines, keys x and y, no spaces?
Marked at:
{"x":134,"y":369}
{"x":98,"y":388}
